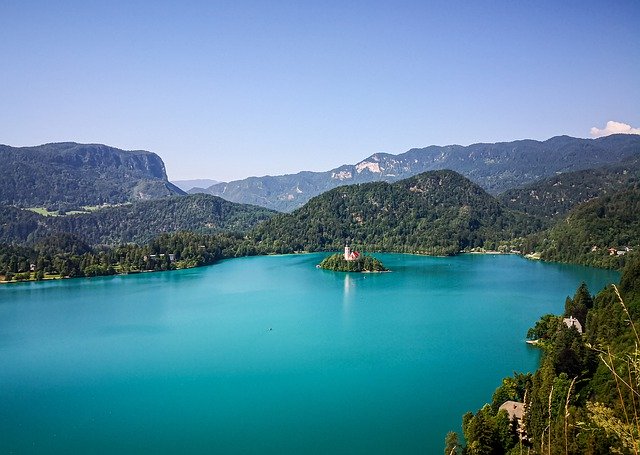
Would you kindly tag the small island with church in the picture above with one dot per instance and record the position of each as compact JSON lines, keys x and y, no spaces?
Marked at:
{"x":352,"y":261}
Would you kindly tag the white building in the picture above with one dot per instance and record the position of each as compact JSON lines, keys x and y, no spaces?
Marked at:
{"x":573,"y":322}
{"x":350,"y":255}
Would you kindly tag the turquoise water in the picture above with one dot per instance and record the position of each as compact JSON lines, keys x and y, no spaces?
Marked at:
{"x":269,"y":354}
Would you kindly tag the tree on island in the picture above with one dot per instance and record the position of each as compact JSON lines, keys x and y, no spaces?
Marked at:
{"x":362,"y":263}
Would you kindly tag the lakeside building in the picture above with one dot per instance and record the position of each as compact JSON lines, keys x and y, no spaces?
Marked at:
{"x":573,"y":322}
{"x":516,"y":410}
{"x":350,"y":255}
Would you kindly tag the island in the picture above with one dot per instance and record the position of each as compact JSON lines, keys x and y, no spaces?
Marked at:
{"x":352,"y":261}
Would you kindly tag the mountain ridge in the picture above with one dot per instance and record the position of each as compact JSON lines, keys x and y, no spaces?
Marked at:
{"x":496,"y":167}
{"x":435,"y":212}
{"x":137,"y":222}
{"x":73,"y":174}
{"x":554,"y":196}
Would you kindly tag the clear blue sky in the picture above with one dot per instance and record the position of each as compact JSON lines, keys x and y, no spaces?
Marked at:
{"x":225,"y":90}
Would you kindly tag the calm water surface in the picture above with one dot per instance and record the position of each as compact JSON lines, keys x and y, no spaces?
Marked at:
{"x":269,"y":354}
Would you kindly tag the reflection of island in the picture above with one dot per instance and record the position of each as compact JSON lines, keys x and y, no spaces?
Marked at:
{"x":348,"y":296}
{"x":352,"y":261}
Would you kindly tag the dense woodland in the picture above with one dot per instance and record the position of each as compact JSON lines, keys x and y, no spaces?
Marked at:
{"x":553,"y":197}
{"x":437,"y":212}
{"x":594,"y":232}
{"x":584,"y":397}
{"x":138,"y":222}
{"x":67,"y":256}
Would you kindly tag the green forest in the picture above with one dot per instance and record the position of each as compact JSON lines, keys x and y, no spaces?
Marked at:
{"x":600,"y":233}
{"x":552,"y":198}
{"x":67,"y":256}
{"x":138,"y":222}
{"x":584,"y":397}
{"x":437,"y":212}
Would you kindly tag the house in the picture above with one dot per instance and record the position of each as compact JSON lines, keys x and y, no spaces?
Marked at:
{"x":350,"y":255}
{"x":573,"y":322}
{"x":515,"y":410}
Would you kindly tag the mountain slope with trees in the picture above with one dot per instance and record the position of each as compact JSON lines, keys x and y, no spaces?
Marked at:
{"x":495,"y":167}
{"x":137,"y":222}
{"x":69,"y":175}
{"x":587,"y":233}
{"x":554,"y":197}
{"x":438,"y":212}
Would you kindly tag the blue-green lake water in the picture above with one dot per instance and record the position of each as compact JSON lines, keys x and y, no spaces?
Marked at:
{"x":269,"y":354}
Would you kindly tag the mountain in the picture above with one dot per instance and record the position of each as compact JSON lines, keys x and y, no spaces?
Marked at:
{"x":588,"y":231}
{"x":496,"y":167}
{"x":137,"y":222}
{"x":555,"y":196}
{"x":68,"y":175}
{"x":437,"y":212}
{"x":186,"y":185}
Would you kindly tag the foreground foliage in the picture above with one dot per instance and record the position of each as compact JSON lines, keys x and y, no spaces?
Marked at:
{"x":585,"y":396}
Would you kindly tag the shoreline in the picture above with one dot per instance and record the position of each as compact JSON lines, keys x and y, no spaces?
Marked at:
{"x":531,"y":256}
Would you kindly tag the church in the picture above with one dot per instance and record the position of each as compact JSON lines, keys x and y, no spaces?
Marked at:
{"x":350,"y":255}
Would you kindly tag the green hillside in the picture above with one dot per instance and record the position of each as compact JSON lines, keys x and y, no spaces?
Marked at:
{"x":138,"y":222}
{"x":68,"y":175}
{"x":438,"y":212}
{"x":587,"y":233}
{"x":553,"y":197}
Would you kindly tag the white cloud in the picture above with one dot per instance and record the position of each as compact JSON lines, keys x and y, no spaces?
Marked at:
{"x":614,"y":128}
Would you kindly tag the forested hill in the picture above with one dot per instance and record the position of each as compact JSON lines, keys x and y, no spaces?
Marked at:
{"x":437,"y":212}
{"x":137,"y":222}
{"x":587,"y":233}
{"x":555,"y":196}
{"x":496,"y":167}
{"x":67,"y":175}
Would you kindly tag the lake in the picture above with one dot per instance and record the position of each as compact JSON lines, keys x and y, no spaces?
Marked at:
{"x":269,"y":354}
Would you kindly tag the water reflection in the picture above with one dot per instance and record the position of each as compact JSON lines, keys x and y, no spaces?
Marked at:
{"x":347,"y":296}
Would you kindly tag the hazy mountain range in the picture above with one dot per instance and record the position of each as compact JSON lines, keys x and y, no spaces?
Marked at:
{"x":495,"y":167}
{"x":436,"y":212}
{"x":186,"y":185}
